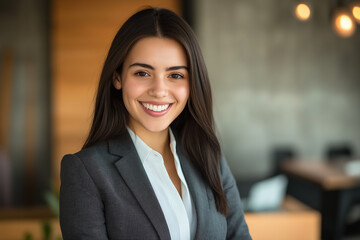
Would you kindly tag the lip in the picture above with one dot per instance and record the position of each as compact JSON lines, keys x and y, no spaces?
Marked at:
{"x":153,"y":113}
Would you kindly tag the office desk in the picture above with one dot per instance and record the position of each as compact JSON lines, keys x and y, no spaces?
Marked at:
{"x":293,"y":221}
{"x":326,"y":187}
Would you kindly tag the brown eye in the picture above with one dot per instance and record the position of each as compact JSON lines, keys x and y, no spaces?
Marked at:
{"x":142,"y":74}
{"x":176,"y":76}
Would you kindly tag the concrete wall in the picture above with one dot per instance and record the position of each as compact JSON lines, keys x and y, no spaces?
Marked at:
{"x":278,"y":81}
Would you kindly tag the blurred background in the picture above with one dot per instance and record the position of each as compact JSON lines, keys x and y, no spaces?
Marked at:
{"x":286,"y":82}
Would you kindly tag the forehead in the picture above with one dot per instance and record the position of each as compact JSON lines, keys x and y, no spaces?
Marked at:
{"x":157,"y":51}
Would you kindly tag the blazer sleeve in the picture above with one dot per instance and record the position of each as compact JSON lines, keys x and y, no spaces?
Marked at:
{"x":236,"y":225}
{"x":81,"y":207}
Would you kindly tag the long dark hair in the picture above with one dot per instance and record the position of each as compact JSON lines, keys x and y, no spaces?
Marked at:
{"x":194,"y":126}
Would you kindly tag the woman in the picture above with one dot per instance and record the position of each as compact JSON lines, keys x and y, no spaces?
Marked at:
{"x":151,"y":167}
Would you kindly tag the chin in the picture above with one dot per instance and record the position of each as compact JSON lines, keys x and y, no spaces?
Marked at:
{"x":157,"y":127}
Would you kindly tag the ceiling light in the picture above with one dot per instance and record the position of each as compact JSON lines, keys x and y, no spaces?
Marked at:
{"x":356,"y":11}
{"x":302,"y":12}
{"x":343,"y":23}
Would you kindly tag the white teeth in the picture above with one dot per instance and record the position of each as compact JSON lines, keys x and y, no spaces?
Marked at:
{"x":155,"y":108}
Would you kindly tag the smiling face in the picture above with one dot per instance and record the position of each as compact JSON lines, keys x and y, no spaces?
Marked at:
{"x":155,"y":84}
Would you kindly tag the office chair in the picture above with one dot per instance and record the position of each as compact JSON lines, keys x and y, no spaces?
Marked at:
{"x":279,"y":155}
{"x":339,"y":151}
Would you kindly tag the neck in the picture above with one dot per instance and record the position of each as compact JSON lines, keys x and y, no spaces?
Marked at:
{"x":158,"y":141}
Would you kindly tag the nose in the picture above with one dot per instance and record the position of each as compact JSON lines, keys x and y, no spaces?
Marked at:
{"x":158,"y":88}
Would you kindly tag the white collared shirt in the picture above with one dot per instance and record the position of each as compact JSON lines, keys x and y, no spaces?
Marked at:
{"x":179,"y":212}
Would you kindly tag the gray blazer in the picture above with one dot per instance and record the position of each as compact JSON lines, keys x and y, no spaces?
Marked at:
{"x":105,"y":194}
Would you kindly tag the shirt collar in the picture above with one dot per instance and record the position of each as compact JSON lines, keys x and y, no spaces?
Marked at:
{"x":144,"y":150}
{"x":172,"y":142}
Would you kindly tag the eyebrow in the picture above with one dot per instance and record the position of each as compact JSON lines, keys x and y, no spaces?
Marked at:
{"x":144,"y":65}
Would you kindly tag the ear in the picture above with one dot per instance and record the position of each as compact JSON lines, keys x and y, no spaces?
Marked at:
{"x":117,"y":80}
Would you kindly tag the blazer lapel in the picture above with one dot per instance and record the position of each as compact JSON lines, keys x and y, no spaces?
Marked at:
{"x":198,"y":192}
{"x":131,"y":169}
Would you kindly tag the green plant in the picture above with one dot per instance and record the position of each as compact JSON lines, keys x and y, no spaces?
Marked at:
{"x":52,"y":200}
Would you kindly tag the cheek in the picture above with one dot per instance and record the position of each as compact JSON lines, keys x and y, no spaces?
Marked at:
{"x":182,"y":93}
{"x":132,"y":90}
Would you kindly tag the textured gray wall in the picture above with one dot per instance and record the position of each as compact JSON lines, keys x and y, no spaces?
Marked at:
{"x":278,"y":81}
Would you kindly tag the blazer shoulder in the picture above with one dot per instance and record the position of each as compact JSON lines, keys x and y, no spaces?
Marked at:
{"x":105,"y":153}
{"x":92,"y":150}
{"x":91,"y":155}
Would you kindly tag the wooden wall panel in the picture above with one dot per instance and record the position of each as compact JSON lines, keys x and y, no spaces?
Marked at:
{"x":81,"y":35}
{"x":6,"y":70}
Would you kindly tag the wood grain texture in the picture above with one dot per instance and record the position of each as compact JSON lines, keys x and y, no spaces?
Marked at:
{"x":329,"y":175}
{"x":294,"y":221}
{"x":7,"y":62}
{"x":6,"y":70}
